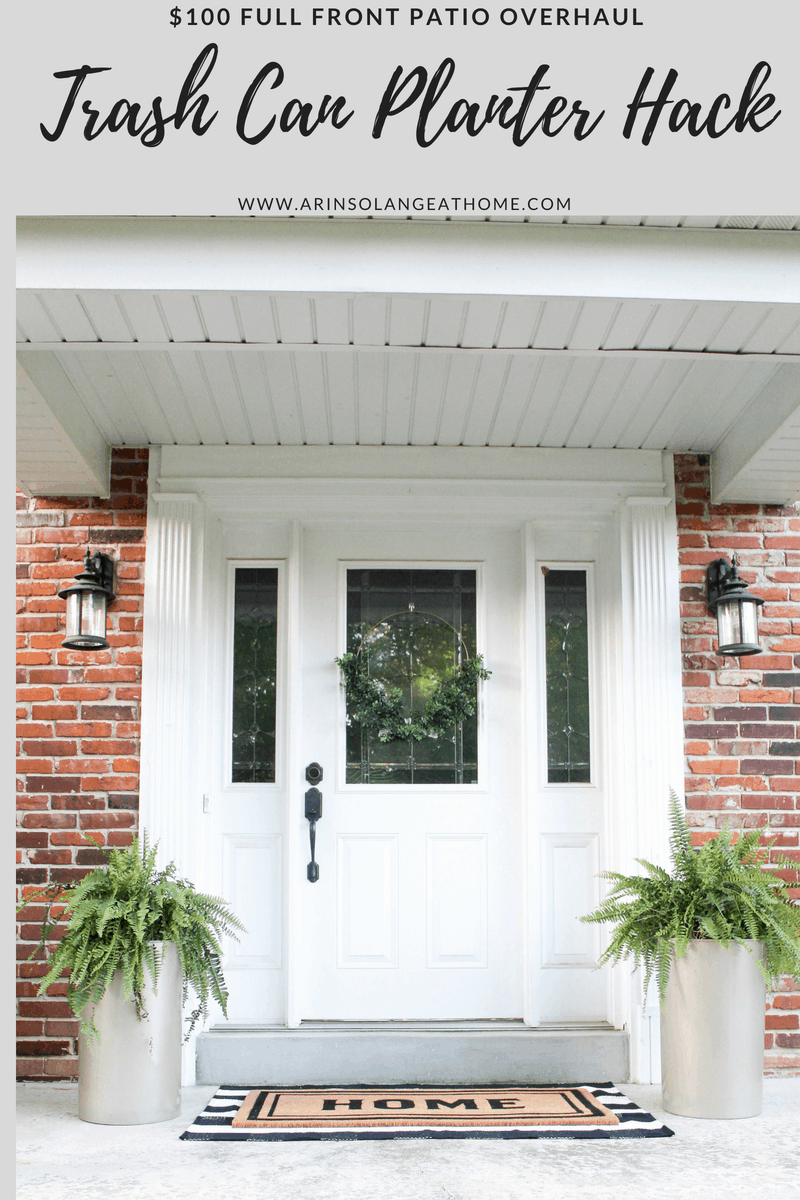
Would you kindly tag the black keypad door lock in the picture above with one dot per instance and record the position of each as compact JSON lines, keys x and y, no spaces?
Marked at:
{"x":313,"y":812}
{"x":314,"y":773}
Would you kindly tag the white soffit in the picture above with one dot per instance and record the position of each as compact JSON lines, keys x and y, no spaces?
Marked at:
{"x":592,"y":360}
{"x":57,"y":456}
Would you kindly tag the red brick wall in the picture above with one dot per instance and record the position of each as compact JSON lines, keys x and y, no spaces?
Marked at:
{"x":78,"y":725}
{"x":742,"y":716}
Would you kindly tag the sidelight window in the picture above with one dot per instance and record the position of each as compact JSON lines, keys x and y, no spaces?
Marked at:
{"x":255,"y":653}
{"x":567,"y":676}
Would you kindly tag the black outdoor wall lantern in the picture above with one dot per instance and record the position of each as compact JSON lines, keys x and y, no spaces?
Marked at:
{"x":87,"y":600}
{"x":735,"y":608}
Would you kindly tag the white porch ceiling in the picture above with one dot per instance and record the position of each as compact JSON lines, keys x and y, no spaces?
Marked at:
{"x":132,"y":365}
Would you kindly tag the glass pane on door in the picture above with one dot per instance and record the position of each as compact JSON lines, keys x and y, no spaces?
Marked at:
{"x":255,"y":656}
{"x":567,"y":658}
{"x":414,"y":627}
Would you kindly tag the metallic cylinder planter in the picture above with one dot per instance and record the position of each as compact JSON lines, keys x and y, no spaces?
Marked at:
{"x":712,"y":1032}
{"x":131,"y":1073}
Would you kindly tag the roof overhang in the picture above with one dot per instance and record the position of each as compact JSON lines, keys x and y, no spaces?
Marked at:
{"x":290,"y":332}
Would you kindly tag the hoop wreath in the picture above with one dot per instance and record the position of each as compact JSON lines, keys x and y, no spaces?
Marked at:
{"x":380,"y":709}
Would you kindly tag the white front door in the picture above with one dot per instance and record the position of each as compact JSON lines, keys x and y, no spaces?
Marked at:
{"x":452,"y":873}
{"x":418,"y":910}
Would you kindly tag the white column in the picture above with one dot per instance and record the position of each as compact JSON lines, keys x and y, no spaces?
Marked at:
{"x":168,"y":693}
{"x":653,"y":707}
{"x":170,"y":804}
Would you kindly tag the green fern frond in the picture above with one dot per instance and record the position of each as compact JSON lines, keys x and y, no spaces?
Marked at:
{"x":718,"y":891}
{"x":116,"y":913}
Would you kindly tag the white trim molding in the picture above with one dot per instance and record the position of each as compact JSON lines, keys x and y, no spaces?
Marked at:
{"x":168,"y":780}
{"x":653,"y":732}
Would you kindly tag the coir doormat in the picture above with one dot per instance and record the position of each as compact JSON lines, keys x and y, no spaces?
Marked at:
{"x":593,"y":1110}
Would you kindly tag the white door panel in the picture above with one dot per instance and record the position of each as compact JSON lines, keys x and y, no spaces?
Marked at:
{"x":435,"y":869}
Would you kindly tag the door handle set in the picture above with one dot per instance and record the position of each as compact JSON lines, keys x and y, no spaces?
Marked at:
{"x":313,"y":812}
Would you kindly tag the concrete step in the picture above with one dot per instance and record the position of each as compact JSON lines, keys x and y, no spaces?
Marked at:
{"x":410,"y":1052}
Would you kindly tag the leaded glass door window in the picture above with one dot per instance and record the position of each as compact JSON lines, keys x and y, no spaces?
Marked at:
{"x":255,"y":654}
{"x":415,"y":627}
{"x":567,"y":668}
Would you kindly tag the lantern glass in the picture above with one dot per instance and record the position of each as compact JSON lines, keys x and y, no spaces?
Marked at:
{"x":737,"y":626}
{"x":86,"y":619}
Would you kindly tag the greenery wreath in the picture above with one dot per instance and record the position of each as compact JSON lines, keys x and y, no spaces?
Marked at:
{"x":380,"y":710}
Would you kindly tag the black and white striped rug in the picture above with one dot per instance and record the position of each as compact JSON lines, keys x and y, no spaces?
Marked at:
{"x":261,"y":1109}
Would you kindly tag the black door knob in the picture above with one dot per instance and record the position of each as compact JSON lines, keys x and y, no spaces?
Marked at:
{"x":314,"y":773}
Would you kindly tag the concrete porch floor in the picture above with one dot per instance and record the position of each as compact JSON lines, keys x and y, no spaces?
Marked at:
{"x":59,"y":1156}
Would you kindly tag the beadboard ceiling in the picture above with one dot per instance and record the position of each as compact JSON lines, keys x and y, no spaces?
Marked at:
{"x":101,"y":366}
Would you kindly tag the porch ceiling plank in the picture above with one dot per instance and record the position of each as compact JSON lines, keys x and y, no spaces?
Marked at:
{"x":371,"y":389}
{"x":194,"y":386}
{"x":401,"y":398}
{"x":518,"y":388}
{"x":557,"y":324}
{"x":773,"y":331}
{"x":256,"y":315}
{"x":219,"y":316}
{"x":703,"y":375}
{"x":106,"y":316}
{"x":181,"y":316}
{"x":703,"y":326}
{"x":226,"y":395}
{"x":340,"y":372}
{"x":636,"y":383}
{"x":293,"y":321}
{"x":331,"y":318}
{"x":288,"y":414}
{"x":310,"y":385}
{"x":741,"y":324}
{"x":593,"y":323}
{"x":485,"y":398}
{"x":430,"y":383}
{"x":520,"y":322}
{"x":484,"y":317}
{"x":456,"y":400}
{"x":142,"y":312}
{"x":407,"y":320}
{"x":791,"y":344}
{"x":667,"y":322}
{"x":69,"y":316}
{"x":257,"y":398}
{"x":630,"y":324}
{"x":446,"y":320}
{"x":95,"y":378}
{"x":606,"y":386}
{"x":34,"y":319}
{"x":163,"y":381}
{"x":578,"y":383}
{"x":152,"y":410}
{"x":370,"y":320}
{"x":702,"y":222}
{"x":550,"y":381}
{"x":654,"y":402}
{"x":736,"y":391}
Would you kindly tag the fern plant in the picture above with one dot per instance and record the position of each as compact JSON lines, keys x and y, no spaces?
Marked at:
{"x":719,"y":891}
{"x":115,"y":914}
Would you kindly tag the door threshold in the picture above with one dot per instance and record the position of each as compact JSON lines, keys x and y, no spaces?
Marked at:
{"x":482,"y":1025}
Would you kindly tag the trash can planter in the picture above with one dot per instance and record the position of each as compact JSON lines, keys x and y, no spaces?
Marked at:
{"x":131,"y":1073}
{"x":712,"y":1031}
